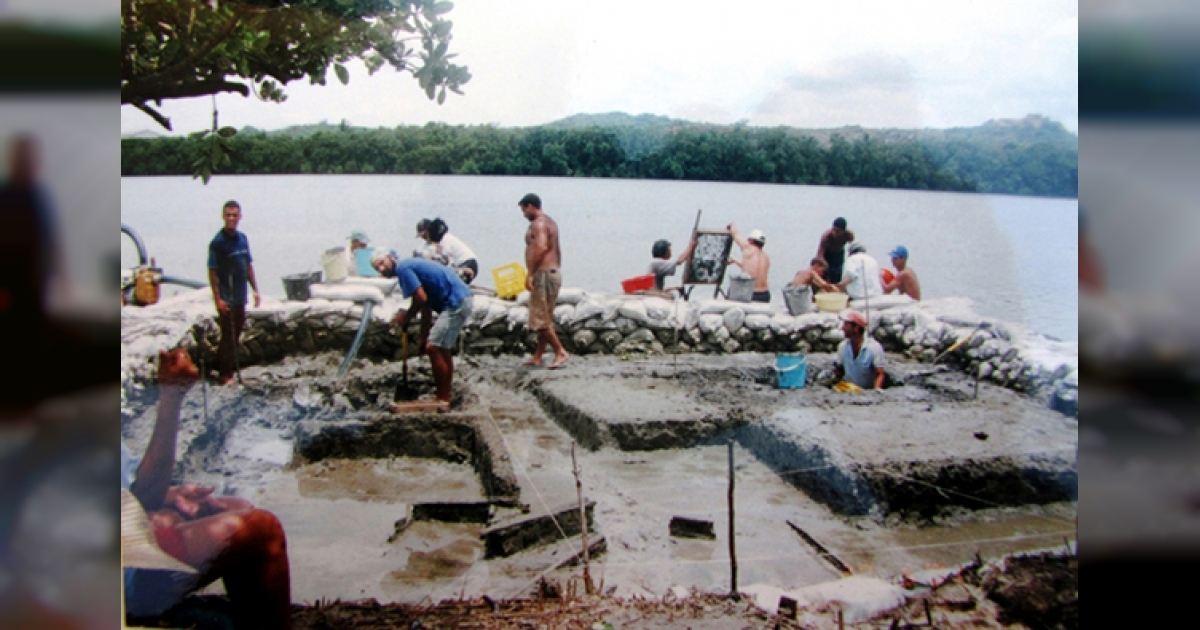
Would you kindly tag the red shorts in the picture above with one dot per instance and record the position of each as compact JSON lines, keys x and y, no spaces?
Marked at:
{"x":171,"y":541}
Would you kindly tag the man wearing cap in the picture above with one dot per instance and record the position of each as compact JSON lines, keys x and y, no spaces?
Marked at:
{"x":662,"y":265}
{"x":860,"y":277}
{"x":859,"y":358}
{"x":755,"y":261}
{"x":906,"y":279}
{"x":434,"y":288}
{"x":831,"y":248}
{"x":358,"y":240}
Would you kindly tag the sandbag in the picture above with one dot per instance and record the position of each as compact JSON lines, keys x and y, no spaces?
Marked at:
{"x":385,"y":285}
{"x":658,"y":308}
{"x":571,"y":295}
{"x":587,"y":309}
{"x":734,"y":318}
{"x":757,"y":322}
{"x":710,"y":322}
{"x":347,"y":292}
{"x":634,"y":310}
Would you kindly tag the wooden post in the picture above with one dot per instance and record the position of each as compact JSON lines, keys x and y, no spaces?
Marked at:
{"x":587,"y":577}
{"x":733,"y":592}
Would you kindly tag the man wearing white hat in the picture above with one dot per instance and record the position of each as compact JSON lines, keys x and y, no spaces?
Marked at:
{"x":859,"y":358}
{"x":755,"y":262}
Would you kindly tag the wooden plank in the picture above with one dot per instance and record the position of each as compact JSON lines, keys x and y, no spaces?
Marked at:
{"x":418,"y":406}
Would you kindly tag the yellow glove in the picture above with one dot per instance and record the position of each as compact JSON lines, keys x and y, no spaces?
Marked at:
{"x":844,"y":386}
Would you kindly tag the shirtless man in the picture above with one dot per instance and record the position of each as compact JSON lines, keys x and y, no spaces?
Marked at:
{"x":811,"y":276}
{"x":906,"y":279}
{"x":543,"y":258}
{"x":832,"y":249}
{"x":755,"y":261}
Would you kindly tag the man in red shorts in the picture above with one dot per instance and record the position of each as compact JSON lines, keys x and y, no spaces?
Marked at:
{"x":221,"y":537}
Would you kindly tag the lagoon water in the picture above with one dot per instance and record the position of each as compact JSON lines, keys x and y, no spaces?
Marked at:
{"x":1015,"y":257}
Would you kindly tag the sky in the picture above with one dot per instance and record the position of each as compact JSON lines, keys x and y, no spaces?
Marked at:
{"x":876,"y":64}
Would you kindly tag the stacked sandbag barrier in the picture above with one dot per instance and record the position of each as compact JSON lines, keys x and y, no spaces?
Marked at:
{"x":591,"y":323}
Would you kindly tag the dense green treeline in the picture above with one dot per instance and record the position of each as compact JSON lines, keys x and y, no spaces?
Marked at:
{"x":735,"y":153}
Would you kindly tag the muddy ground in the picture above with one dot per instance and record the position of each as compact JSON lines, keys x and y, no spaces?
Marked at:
{"x":341,"y":512}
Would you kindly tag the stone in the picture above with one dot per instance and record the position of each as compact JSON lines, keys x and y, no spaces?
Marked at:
{"x":583,"y":338}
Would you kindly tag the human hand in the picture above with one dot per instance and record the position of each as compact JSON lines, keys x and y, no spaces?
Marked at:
{"x":190,"y":499}
{"x":257,"y":299}
{"x":175,"y":368}
{"x":222,"y":307}
{"x":529,"y":282}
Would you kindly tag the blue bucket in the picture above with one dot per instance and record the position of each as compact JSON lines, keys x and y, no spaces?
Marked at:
{"x":362,"y":262}
{"x":791,"y":370}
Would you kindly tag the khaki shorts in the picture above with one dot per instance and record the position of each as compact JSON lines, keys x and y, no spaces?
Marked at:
{"x":542,"y":299}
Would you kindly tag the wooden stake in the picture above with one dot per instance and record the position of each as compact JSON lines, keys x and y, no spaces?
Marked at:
{"x":587,"y":576}
{"x":733,"y":592}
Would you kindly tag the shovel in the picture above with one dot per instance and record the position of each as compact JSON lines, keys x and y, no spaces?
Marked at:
{"x":404,"y":391}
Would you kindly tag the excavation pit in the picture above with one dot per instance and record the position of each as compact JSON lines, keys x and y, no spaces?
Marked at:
{"x":932,"y":439}
{"x":340,"y":471}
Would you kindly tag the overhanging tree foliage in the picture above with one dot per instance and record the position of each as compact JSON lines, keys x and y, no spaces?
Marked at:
{"x":188,"y":48}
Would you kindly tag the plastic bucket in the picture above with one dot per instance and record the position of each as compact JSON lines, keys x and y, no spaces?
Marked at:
{"x":639,"y":283}
{"x":791,"y":370}
{"x":798,"y":300}
{"x":335,"y":264}
{"x":362,"y":262}
{"x":832,"y":302}
{"x":296,"y":286}
{"x":741,"y":289}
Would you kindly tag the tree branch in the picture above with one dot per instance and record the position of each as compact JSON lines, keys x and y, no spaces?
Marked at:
{"x":140,"y":93}
{"x":159,"y":118}
{"x":188,"y":63}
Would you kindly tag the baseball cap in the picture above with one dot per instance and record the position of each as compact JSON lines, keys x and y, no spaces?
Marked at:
{"x":756,"y":235}
{"x":900,"y":252}
{"x":857,"y":317}
{"x":360,"y":236}
{"x":855,"y":247}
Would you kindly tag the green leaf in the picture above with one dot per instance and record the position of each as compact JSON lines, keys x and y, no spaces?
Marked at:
{"x":441,"y":8}
{"x":227,"y":132}
{"x":343,"y":74}
{"x":198,"y":135}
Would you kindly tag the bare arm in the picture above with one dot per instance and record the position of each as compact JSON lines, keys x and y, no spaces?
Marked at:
{"x":687,"y":253}
{"x":878,"y":378}
{"x":737,"y":236}
{"x":253,"y":284}
{"x":215,"y":283}
{"x":888,"y":287}
{"x":154,"y":472}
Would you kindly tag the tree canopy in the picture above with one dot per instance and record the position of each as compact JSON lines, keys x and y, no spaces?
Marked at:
{"x":188,"y":48}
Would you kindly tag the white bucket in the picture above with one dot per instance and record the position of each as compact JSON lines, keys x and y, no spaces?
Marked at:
{"x":335,"y":263}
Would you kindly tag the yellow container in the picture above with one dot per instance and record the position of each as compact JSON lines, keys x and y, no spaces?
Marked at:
{"x":832,"y":302}
{"x":510,"y":280}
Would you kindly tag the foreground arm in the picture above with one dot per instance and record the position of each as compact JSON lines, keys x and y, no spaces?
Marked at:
{"x":878,"y":378}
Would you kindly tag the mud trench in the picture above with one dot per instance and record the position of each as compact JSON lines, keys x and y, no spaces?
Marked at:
{"x":412,"y":508}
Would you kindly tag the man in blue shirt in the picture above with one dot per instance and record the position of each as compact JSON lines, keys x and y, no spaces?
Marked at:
{"x":859,"y":358}
{"x":433,"y":288}
{"x":229,"y":269}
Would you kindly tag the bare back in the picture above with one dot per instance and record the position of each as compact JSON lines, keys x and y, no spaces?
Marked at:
{"x":541,"y":245}
{"x":908,"y":284}
{"x":756,"y":263}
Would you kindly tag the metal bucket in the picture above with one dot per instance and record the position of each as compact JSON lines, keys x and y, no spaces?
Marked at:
{"x":799,"y":300}
{"x":741,"y":289}
{"x":296,"y":286}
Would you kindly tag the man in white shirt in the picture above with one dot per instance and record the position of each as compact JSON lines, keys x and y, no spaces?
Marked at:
{"x":443,"y":247}
{"x":860,"y":275}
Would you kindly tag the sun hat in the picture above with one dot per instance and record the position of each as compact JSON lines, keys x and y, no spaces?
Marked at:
{"x":854,"y":247}
{"x":757,"y":235}
{"x":360,"y":236}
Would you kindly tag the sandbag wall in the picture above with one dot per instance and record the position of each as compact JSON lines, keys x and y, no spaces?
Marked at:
{"x":628,"y":325}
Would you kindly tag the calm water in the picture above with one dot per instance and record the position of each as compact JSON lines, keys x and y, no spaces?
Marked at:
{"x":1016,"y":257}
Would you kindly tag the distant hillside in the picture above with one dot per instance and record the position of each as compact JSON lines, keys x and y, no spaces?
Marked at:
{"x":1030,"y":156}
